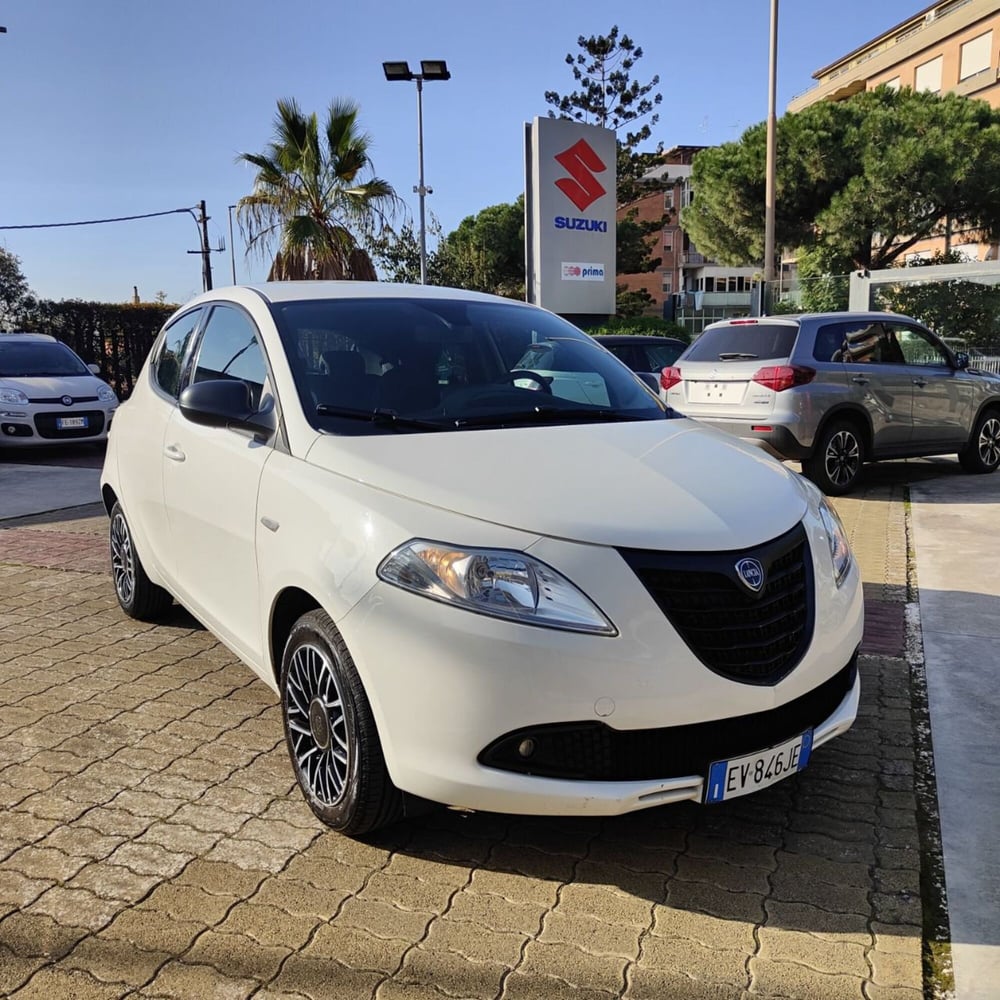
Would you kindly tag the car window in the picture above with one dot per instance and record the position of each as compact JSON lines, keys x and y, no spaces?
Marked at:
{"x":169,"y":361}
{"x":448,"y":364}
{"x":38,"y":358}
{"x":660,"y":356}
{"x":230,"y":349}
{"x":917,"y":347}
{"x":872,"y":343}
{"x":744,"y":341}
{"x":832,"y":339}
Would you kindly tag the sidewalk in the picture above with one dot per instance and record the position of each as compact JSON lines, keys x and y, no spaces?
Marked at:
{"x":153,"y":843}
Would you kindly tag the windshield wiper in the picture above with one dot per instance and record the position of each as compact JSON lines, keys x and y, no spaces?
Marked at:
{"x":737,"y":356}
{"x":544,"y":415}
{"x":380,"y":417}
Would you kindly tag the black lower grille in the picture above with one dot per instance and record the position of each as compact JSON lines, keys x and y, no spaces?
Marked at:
{"x":45,"y":424}
{"x":593,"y":751}
{"x":748,"y":636}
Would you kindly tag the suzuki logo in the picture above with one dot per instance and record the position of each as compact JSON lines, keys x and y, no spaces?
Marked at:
{"x":581,"y":163}
{"x":751,"y":573}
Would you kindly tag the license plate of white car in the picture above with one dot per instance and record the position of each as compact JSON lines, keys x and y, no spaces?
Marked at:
{"x":729,"y":779}
{"x":716,"y":392}
{"x":69,"y":423}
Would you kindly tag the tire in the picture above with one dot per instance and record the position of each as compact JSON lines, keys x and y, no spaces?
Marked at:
{"x":982,"y":453}
{"x":138,"y":596}
{"x":836,"y":463}
{"x":330,"y":732}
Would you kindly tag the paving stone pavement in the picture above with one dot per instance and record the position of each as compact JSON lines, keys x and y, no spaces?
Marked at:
{"x":153,"y":844}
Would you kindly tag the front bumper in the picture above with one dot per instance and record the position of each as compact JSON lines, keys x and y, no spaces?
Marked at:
{"x":35,"y":425}
{"x":446,"y":684}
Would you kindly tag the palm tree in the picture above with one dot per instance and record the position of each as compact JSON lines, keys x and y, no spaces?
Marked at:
{"x":310,"y":198}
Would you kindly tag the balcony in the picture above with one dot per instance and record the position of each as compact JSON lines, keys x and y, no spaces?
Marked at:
{"x":693,"y":259}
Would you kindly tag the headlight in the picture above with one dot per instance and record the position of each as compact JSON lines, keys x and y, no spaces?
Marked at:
{"x":495,"y":582}
{"x":106,"y":394}
{"x":836,"y":536}
{"x":13,"y":396}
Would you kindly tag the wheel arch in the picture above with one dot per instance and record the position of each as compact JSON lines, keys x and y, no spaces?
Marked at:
{"x":289,"y":606}
{"x":857,"y":416}
{"x":109,"y":498}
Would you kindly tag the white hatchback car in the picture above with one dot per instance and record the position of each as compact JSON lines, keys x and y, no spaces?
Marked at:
{"x":48,"y":395}
{"x":467,"y":588}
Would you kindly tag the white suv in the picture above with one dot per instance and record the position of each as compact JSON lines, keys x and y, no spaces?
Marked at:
{"x":48,"y":395}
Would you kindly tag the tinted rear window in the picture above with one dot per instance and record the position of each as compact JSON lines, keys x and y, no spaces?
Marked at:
{"x":749,"y":342}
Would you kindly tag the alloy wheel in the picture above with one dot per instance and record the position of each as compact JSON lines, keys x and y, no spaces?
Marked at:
{"x":843,"y":458}
{"x":989,"y":442}
{"x":317,"y":724}
{"x":122,"y":559}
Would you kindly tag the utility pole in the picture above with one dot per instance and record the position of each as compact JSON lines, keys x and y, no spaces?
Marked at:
{"x":206,"y":250}
{"x":769,"y":195}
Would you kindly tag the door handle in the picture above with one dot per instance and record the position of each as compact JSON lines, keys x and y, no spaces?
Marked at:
{"x":921,"y":382}
{"x":174,"y":453}
{"x":860,"y":379}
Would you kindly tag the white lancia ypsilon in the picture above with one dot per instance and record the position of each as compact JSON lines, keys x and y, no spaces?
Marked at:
{"x":470,"y":582}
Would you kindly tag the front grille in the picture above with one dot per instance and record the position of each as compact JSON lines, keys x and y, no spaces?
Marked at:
{"x":755,"y":638}
{"x":57,"y":400}
{"x":593,"y":751}
{"x":45,"y":424}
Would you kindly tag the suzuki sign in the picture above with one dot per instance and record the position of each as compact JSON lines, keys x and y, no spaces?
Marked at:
{"x":570,"y":216}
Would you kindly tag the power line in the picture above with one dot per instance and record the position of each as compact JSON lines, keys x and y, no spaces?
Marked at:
{"x":97,"y":222}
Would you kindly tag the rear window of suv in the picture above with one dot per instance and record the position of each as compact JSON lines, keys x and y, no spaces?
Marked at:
{"x":744,"y":342}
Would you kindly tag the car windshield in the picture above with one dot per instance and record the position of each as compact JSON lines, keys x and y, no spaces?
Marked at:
{"x":395,"y":364}
{"x":744,"y":342}
{"x":37,"y":359}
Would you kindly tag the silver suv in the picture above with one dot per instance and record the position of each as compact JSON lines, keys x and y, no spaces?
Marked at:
{"x":836,"y":390}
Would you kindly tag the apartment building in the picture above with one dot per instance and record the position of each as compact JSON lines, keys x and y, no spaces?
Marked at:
{"x":687,"y":287}
{"x":952,"y":46}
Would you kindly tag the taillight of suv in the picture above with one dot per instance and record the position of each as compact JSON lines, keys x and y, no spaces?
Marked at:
{"x":669,"y":377}
{"x":780,"y":377}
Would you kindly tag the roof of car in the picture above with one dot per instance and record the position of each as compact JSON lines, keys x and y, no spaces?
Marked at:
{"x":635,"y":338}
{"x":19,"y":335}
{"x":836,"y":314}
{"x":294,"y":291}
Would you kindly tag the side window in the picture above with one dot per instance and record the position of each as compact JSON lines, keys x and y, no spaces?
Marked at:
{"x":917,"y":348}
{"x":869,"y":344}
{"x":167,"y":367}
{"x":230,"y":349}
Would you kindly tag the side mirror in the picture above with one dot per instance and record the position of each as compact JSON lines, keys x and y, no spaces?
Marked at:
{"x":961,"y":360}
{"x":94,"y":369}
{"x":650,"y":381}
{"x":225,"y":402}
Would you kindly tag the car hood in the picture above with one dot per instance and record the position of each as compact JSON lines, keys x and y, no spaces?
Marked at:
{"x":53,"y":387}
{"x":671,"y":484}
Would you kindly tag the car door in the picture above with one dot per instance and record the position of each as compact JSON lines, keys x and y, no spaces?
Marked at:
{"x":139,"y":443}
{"x":210,"y":484}
{"x":878,"y":378}
{"x":943,"y":403}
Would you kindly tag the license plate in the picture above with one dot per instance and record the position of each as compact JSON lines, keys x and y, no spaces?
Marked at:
{"x":729,"y":779}
{"x":68,"y":423}
{"x":716,"y":392}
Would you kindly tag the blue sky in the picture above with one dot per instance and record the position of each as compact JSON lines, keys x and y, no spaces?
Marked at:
{"x":121,"y":107}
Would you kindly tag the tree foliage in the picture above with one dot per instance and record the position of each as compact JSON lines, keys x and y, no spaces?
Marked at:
{"x":608,"y":96}
{"x":315,"y":198}
{"x":859,"y":182}
{"x":484,"y":253}
{"x":13,"y":286}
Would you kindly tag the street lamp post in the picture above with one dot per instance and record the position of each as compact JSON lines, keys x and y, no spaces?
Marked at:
{"x":430,"y":69}
{"x":769,"y":192}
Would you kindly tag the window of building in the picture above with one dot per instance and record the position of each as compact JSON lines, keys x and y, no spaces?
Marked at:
{"x":893,"y":84}
{"x":928,"y":75}
{"x":668,"y":282}
{"x":976,"y":56}
{"x":668,"y":200}
{"x":668,"y":241}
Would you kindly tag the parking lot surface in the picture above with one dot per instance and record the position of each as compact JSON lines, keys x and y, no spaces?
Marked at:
{"x":153,"y":842}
